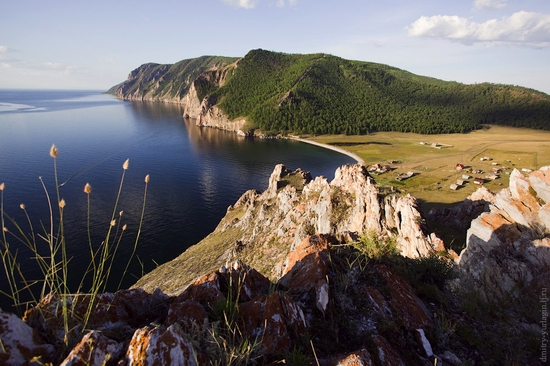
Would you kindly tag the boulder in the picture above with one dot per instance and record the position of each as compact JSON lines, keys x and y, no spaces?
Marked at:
{"x":21,"y":343}
{"x":275,"y":320}
{"x":94,"y":350}
{"x":155,"y":346}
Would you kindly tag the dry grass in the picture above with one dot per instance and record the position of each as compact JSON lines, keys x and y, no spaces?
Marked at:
{"x":435,"y":168}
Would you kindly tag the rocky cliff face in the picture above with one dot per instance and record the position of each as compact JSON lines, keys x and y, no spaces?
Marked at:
{"x":262,"y":228}
{"x":508,"y":248}
{"x":191,"y":88}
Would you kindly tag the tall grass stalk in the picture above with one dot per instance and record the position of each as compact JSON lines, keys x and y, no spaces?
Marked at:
{"x":54,"y":265}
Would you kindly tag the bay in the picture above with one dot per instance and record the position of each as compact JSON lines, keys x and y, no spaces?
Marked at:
{"x":195,"y":174}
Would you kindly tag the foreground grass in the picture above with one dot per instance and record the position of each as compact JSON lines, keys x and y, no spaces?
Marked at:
{"x":435,"y":168}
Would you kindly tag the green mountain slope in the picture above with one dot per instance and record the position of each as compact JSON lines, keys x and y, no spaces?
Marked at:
{"x":320,"y":94}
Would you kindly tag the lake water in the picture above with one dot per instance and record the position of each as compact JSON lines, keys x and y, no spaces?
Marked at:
{"x":195,"y":173}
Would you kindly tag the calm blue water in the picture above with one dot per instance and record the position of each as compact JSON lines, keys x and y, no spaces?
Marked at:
{"x":196,"y":173}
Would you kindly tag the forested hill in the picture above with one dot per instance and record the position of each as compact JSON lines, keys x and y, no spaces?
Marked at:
{"x":320,"y":94}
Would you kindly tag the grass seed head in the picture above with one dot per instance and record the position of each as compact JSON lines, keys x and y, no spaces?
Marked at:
{"x":62,"y":203}
{"x":2,"y":185}
{"x":113,"y":222}
{"x":147,"y":178}
{"x":22,"y":206}
{"x":126,"y":164}
{"x":87,"y":188}
{"x":53,"y":151}
{"x":124,"y":227}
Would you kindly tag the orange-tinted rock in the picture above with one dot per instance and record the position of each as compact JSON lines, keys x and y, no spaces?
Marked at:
{"x":406,"y":305}
{"x":276,"y":320}
{"x":307,"y":264}
{"x":94,"y":349}
{"x":155,"y":346}
{"x":205,"y":290}
{"x":359,"y":358}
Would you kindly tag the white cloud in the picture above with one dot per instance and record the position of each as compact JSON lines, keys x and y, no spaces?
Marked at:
{"x":490,"y":4}
{"x":522,"y":29}
{"x":3,"y":49}
{"x":247,"y":4}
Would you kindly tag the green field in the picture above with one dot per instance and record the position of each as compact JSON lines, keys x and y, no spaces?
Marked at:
{"x":434,"y":168}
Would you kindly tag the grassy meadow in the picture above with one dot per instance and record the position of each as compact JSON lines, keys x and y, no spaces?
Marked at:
{"x":434,"y":168}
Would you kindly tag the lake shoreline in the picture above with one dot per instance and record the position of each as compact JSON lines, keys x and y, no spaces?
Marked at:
{"x":333,"y":148}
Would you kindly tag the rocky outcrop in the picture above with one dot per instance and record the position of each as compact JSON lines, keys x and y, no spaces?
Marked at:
{"x":326,"y":301}
{"x":265,"y":227}
{"x":508,"y":248}
{"x":233,"y":312}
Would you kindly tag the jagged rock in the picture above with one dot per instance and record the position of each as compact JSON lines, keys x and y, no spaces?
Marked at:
{"x":406,"y":305}
{"x":376,"y":301}
{"x":423,"y":342}
{"x":154,"y":346}
{"x":306,"y":269}
{"x":187,"y":314}
{"x":275,"y":320}
{"x":249,"y":282}
{"x":20,"y":343}
{"x":94,"y":350}
{"x":387,"y":355}
{"x":205,"y":290}
{"x":508,"y":248}
{"x":293,"y":207}
{"x":451,"y":358}
{"x":124,"y":310}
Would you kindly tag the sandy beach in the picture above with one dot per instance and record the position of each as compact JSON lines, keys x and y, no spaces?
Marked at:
{"x":330,"y":147}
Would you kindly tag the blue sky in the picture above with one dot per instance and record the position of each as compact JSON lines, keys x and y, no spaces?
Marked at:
{"x":95,"y":44}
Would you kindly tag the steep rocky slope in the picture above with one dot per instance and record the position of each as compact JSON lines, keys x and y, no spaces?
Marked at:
{"x":328,"y":296}
{"x":262,"y":228}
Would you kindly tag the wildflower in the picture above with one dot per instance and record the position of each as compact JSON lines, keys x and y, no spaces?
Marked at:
{"x":53,"y":151}
{"x":124,"y":227}
{"x":62,"y":203}
{"x":2,"y":185}
{"x":22,"y":206}
{"x":147,"y":178}
{"x":113,"y":222}
{"x":87,"y":188}
{"x":126,"y":163}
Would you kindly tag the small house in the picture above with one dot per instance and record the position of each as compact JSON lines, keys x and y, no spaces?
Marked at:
{"x":492,"y":176}
{"x":479,"y":181}
{"x":465,"y":176}
{"x":454,"y":187}
{"x":459,"y":166}
{"x":460,"y":182}
{"x":526,"y":170}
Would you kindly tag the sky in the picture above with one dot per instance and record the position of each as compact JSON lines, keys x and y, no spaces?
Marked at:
{"x":68,"y":44}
